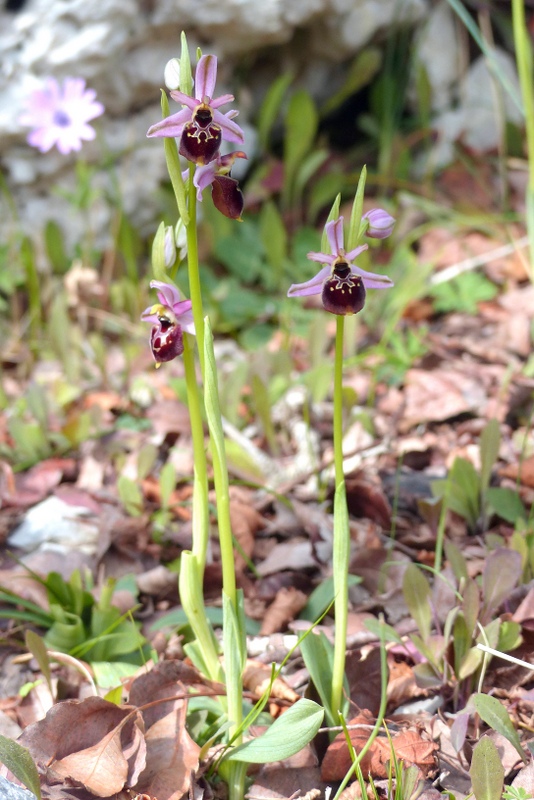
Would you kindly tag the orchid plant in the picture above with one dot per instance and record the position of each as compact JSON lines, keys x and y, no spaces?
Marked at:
{"x":179,"y":328}
{"x":343,"y":287}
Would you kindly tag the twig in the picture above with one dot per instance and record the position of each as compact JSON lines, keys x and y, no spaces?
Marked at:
{"x":454,"y":270}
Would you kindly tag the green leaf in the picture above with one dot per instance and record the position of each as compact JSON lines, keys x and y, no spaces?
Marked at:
{"x":274,"y":238}
{"x":456,"y":559}
{"x":318,"y":655}
{"x":416,"y":590}
{"x":322,"y":597}
{"x":146,"y":458}
{"x":167,"y":483}
{"x":495,"y":715}
{"x":287,"y":735}
{"x":509,"y":636}
{"x":130,"y":496}
{"x":271,"y":106}
{"x":37,"y":648}
{"x":382,"y":629}
{"x":19,"y":761}
{"x":502,"y":572}
{"x":301,"y":127}
{"x":462,"y":294}
{"x":490,"y":441}
{"x":506,"y":503}
{"x":360,"y":73}
{"x":461,"y":490}
{"x":487,"y":771}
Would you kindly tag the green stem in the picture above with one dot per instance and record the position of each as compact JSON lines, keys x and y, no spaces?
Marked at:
{"x":200,"y":468}
{"x":193,"y":268}
{"x":233,"y":624}
{"x":341,"y":549}
{"x":523,"y":54}
{"x":379,"y":718}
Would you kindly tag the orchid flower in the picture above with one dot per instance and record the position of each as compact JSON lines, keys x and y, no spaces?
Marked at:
{"x":59,"y":115}
{"x":170,"y":317}
{"x":200,"y":126}
{"x":341,"y":283}
{"x":226,"y":194}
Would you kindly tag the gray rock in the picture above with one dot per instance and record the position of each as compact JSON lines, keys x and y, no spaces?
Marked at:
{"x":121,"y":47}
{"x":9,"y":791}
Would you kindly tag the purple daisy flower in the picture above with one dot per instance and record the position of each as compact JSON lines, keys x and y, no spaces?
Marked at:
{"x":59,"y":115}
{"x":169,"y":318}
{"x":341,"y":284}
{"x":200,"y":126}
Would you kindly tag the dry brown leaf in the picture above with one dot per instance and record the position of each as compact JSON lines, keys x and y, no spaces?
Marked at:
{"x":436,"y":395}
{"x":408,"y":746}
{"x":171,"y":753}
{"x":246,"y":521}
{"x":525,"y":779}
{"x":178,"y":500}
{"x":413,"y":749}
{"x":401,"y":683}
{"x":257,"y":677}
{"x":523,"y":470}
{"x":103,"y":769}
{"x":93,"y":742}
{"x":286,"y":605}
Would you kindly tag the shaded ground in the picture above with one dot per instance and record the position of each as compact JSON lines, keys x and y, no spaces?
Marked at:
{"x":402,"y":436}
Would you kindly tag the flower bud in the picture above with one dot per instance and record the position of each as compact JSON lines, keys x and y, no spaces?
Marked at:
{"x":180,"y":237}
{"x":380,"y":223}
{"x":169,"y":247}
{"x":171,"y":74}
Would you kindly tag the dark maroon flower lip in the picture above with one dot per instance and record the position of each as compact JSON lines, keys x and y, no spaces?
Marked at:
{"x":170,"y":318}
{"x":226,"y":194}
{"x":341,"y":283}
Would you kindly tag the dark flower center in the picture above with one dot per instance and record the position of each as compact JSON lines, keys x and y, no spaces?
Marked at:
{"x":203,"y":116}
{"x":201,"y":138}
{"x":343,"y":292}
{"x":61,"y":118}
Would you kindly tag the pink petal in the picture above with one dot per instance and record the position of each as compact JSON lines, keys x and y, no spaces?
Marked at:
{"x":205,"y":77}
{"x":322,"y":258}
{"x":42,"y":138}
{"x":356,"y":252}
{"x":220,"y":101}
{"x":186,"y":321}
{"x":372,"y":280}
{"x":313,"y":286}
{"x":334,"y":231}
{"x":230,"y":130}
{"x":73,"y":88}
{"x":184,"y":99}
{"x":147,"y":316}
{"x":170,"y":126}
{"x":168,"y":295}
{"x":204,"y":177}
